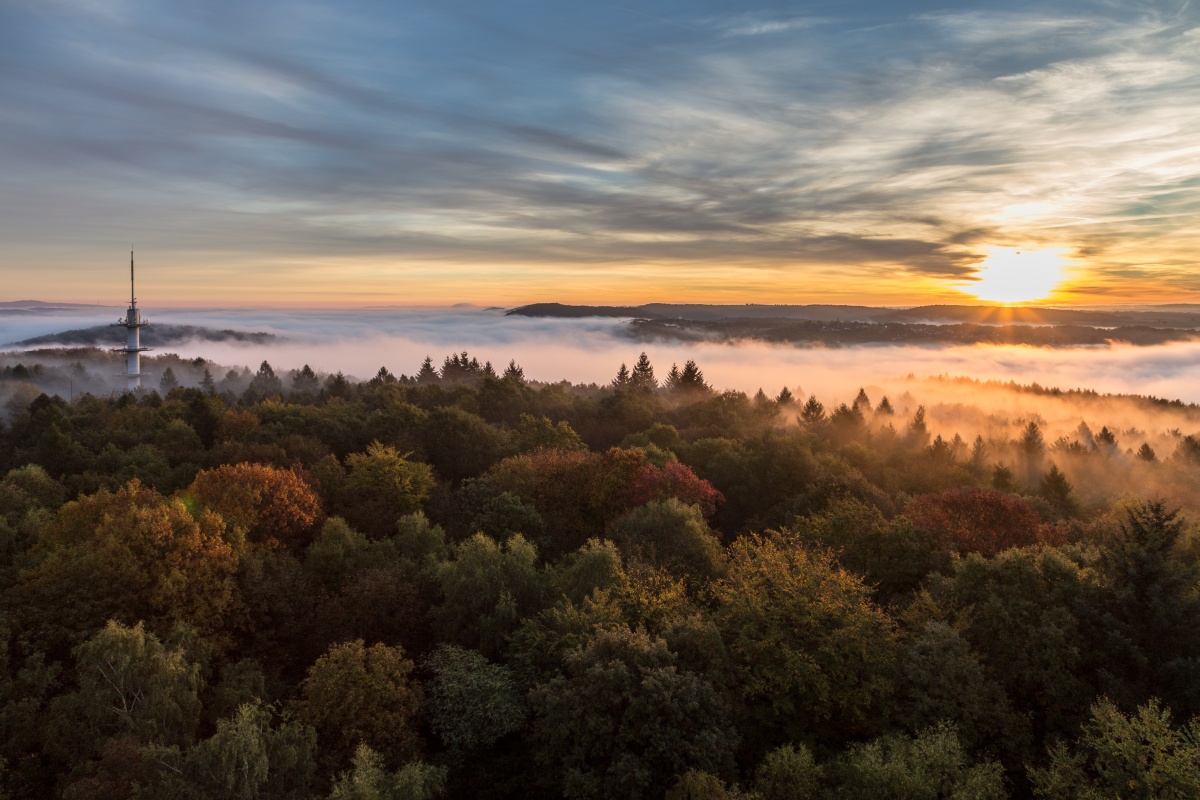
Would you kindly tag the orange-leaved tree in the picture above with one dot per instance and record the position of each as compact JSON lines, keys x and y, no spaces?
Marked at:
{"x":272,"y":506}
{"x":128,"y":555}
{"x":980,"y":520}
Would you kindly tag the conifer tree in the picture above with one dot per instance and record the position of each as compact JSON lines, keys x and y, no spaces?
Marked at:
{"x":785,"y":397}
{"x":861,"y":401}
{"x":623,"y":379}
{"x":305,"y":380}
{"x":1056,"y":490}
{"x":918,"y":434}
{"x":207,"y":383}
{"x":427,"y":374}
{"x":672,"y":381}
{"x":168,"y":381}
{"x":814,"y":411}
{"x":643,"y":374}
{"x":885,"y":407}
{"x":513,"y":373}
{"x":1146,"y":452}
{"x":691,"y":379}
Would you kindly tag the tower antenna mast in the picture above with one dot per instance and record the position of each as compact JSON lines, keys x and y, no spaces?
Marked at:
{"x":133,"y":324}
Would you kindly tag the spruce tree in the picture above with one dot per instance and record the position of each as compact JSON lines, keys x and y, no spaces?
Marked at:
{"x":643,"y":374}
{"x":785,"y":397}
{"x":814,"y":411}
{"x":427,"y":374}
{"x":168,"y":381}
{"x":623,"y":379}
{"x":513,"y":373}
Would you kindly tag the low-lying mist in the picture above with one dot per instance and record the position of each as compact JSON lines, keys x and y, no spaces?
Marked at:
{"x":359,"y":342}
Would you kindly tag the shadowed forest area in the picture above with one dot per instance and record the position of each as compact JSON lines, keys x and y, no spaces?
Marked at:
{"x":465,"y":584}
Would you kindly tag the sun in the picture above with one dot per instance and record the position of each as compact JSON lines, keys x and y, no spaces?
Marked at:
{"x":1009,"y":275}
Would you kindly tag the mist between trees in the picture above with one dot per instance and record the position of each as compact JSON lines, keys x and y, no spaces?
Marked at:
{"x":463,"y":582}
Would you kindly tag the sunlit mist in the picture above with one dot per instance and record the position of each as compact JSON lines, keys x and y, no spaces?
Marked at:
{"x":1009,"y":275}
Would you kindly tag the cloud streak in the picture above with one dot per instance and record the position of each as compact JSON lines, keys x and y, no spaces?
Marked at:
{"x":296,"y":151}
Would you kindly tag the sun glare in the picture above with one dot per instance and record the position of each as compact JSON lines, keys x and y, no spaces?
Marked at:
{"x":1009,"y":275}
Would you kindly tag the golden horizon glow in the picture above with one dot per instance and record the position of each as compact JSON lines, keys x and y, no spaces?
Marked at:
{"x":1018,"y":275}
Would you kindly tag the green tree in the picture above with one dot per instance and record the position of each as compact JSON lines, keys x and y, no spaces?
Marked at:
{"x":370,"y":780}
{"x":930,"y":766}
{"x":264,"y":384}
{"x":814,"y":412}
{"x":472,"y":702}
{"x":643,"y":375}
{"x":1027,"y":616}
{"x":381,"y":486}
{"x":305,"y":381}
{"x":1136,"y":756}
{"x":168,"y":381}
{"x":355,"y":694}
{"x":810,"y":651}
{"x":461,"y":445}
{"x":1151,"y":598}
{"x":788,"y":773}
{"x":1055,"y":489}
{"x":536,"y":432}
{"x":621,"y":720}
{"x":130,"y":684}
{"x":487,"y":588}
{"x":249,"y":757}
{"x":672,"y":535}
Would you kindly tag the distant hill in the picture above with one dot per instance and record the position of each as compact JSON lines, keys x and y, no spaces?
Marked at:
{"x":1176,"y":317}
{"x":44,"y":304}
{"x":152,"y":336}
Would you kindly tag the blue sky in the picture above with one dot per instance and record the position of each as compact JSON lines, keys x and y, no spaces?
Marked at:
{"x":365,"y":152}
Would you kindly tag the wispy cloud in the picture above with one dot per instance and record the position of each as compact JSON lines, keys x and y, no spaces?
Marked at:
{"x":428,"y":152}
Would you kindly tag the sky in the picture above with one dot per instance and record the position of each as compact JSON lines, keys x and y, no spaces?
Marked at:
{"x":358,"y":153}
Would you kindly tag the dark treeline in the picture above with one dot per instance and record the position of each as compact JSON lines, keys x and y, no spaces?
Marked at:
{"x":466,"y":584}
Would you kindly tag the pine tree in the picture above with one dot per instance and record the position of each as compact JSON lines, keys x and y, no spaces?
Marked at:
{"x":785,"y":397}
{"x":814,"y":411}
{"x":305,"y":381}
{"x":207,"y":383}
{"x":623,"y":379}
{"x":672,"y":381}
{"x":761,"y":401}
{"x":978,"y":452}
{"x":885,"y":407}
{"x":918,"y":434}
{"x":427,"y":374}
{"x":1146,"y":452}
{"x":383,"y":376}
{"x":861,"y":401}
{"x":168,"y":381}
{"x":514,"y":374}
{"x":1056,"y":491}
{"x":488,"y":370}
{"x":643,"y":374}
{"x":691,"y":379}
{"x":1106,"y":440}
{"x":1002,"y":478}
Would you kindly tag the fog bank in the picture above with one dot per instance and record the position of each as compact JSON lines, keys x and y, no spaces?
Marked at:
{"x":359,"y":342}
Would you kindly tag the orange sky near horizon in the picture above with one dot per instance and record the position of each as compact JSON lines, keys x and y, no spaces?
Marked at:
{"x":361,"y":154}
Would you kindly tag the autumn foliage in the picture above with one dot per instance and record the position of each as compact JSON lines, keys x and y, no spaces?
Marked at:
{"x":980,"y":521}
{"x":274,"y":506}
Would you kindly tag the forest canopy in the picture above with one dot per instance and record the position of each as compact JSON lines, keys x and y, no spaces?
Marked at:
{"x":465,"y":583}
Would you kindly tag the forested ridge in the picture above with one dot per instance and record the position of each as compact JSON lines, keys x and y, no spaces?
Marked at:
{"x":466,"y":584}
